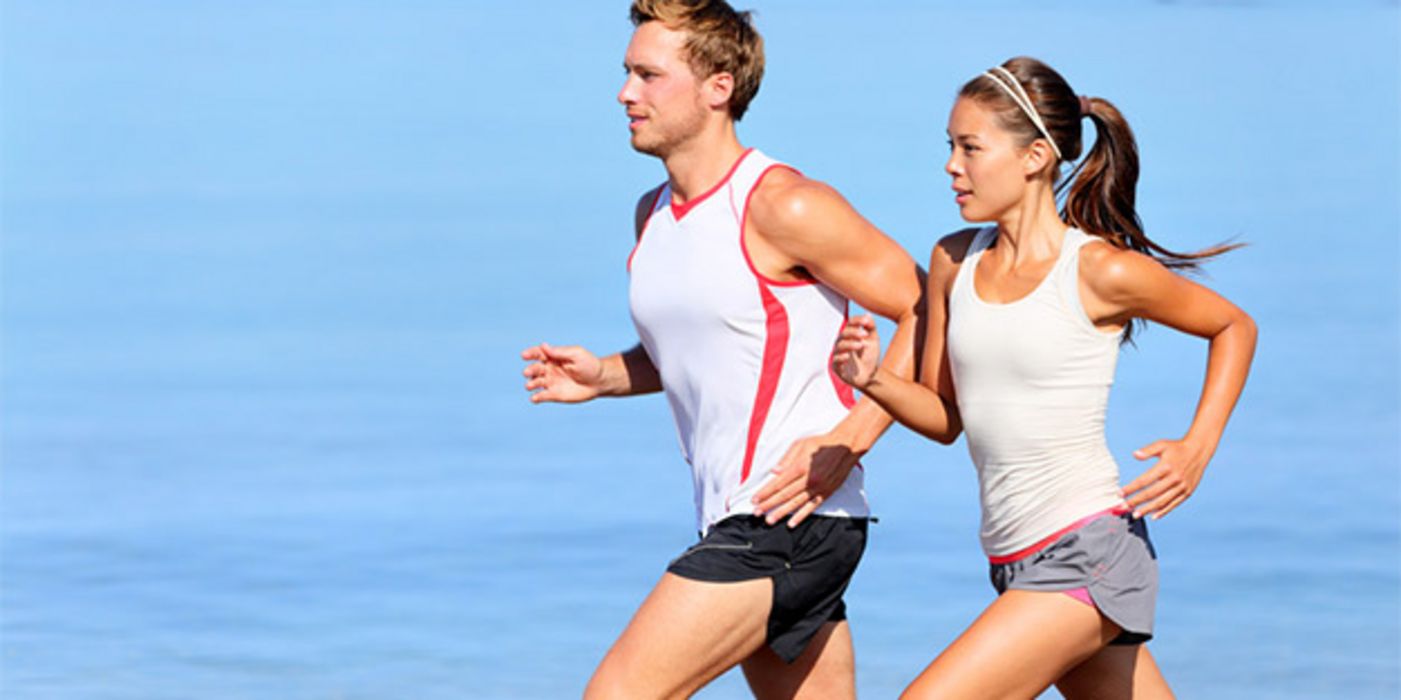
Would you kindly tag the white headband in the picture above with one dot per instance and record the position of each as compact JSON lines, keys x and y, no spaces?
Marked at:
{"x":1014,"y":89}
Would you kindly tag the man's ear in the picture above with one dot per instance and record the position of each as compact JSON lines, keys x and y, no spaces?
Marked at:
{"x":718,"y":90}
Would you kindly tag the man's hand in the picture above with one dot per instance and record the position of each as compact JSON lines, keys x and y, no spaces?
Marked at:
{"x":568,"y":374}
{"x":811,"y":470}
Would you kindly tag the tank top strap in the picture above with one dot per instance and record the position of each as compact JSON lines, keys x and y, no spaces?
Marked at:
{"x":1067,"y":267}
{"x":1068,"y":279}
{"x":1075,"y":239}
{"x":963,"y":279}
{"x":750,"y":169}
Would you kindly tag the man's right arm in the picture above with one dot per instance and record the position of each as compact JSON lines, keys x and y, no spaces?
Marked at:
{"x":571,"y":374}
{"x":633,"y":373}
{"x":632,"y":370}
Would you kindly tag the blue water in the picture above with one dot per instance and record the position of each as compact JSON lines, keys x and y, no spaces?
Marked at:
{"x":266,"y":269}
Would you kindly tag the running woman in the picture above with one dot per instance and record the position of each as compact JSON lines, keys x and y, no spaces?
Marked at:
{"x":739,"y":285}
{"x":1026,"y":320}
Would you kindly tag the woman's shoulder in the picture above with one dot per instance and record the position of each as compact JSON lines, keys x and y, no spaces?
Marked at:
{"x":947,"y":257}
{"x":1111,"y":269}
{"x":951,"y":249}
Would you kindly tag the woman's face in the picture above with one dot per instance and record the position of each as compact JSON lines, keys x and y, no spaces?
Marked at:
{"x":989,"y":169}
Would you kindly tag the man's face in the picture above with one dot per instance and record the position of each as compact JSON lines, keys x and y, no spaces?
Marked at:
{"x":663,"y":98}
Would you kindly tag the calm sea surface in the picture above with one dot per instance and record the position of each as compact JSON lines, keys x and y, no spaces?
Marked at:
{"x":267,"y":268}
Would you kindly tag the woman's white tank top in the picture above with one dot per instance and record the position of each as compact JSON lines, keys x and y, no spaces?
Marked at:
{"x":1032,"y":378}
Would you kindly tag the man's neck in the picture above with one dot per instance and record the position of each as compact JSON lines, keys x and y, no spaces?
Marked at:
{"x":700,"y":164}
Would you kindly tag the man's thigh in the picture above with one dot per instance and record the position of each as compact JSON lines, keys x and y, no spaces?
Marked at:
{"x":685,"y":634}
{"x":827,"y":669}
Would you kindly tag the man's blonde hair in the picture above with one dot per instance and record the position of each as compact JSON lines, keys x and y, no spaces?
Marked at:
{"x":719,"y":40}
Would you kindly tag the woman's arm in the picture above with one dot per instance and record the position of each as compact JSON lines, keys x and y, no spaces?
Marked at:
{"x":1121,"y":285}
{"x":926,"y":406}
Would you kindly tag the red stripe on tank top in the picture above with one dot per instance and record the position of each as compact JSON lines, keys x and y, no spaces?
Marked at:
{"x":744,"y":218}
{"x":845,"y":393}
{"x":775,"y":349}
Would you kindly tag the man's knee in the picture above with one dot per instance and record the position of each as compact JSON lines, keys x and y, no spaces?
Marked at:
{"x":605,"y":687}
{"x":611,"y":682}
{"x":621,"y":676}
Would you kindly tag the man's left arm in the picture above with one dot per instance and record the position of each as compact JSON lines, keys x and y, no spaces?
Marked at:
{"x":808,"y":224}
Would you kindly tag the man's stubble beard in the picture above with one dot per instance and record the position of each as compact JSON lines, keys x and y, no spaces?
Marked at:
{"x":672,"y":137}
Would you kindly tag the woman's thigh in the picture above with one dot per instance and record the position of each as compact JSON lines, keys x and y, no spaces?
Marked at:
{"x":1115,"y":673}
{"x":1018,"y":647}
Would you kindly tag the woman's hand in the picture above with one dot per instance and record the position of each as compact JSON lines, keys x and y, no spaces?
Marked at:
{"x":857,"y":352}
{"x":1171,"y":481}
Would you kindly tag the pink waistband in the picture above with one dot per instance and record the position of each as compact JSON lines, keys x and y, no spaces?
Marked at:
{"x":1048,"y":539}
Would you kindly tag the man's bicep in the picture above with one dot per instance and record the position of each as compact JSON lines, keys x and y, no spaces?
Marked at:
{"x":872,"y":270}
{"x":643,"y":377}
{"x":814,"y":227}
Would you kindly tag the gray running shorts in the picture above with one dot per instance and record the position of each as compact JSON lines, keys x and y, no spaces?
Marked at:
{"x":1111,"y":557}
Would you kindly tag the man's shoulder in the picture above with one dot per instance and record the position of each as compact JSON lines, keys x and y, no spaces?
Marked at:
{"x":786,"y":198}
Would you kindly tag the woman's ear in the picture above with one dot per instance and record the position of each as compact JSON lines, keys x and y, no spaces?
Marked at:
{"x":1037,"y":158}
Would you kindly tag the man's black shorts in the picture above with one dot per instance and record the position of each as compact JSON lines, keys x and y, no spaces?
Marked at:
{"x":810,"y":565}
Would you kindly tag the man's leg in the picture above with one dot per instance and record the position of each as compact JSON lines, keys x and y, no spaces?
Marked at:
{"x":685,"y":634}
{"x":826,"y":669}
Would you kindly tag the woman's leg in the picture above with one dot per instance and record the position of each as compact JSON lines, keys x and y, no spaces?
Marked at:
{"x":1018,"y":647}
{"x":1116,"y":672}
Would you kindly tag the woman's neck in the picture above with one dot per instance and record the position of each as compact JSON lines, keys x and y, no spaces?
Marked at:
{"x":1032,"y":229}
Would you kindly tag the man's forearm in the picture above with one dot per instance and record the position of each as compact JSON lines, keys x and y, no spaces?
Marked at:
{"x":629,"y":373}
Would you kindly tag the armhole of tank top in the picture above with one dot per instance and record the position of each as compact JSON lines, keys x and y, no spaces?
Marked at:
{"x":768,"y":167}
{"x":1070,"y":285}
{"x":743,"y":181}
{"x":651,"y":212}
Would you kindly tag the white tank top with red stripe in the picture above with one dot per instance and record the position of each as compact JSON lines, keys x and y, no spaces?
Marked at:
{"x":744,"y":360}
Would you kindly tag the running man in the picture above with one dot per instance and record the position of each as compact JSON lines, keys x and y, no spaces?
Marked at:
{"x":740,"y":281}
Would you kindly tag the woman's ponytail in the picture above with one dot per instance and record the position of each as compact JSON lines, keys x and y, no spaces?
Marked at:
{"x":1102,"y":196}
